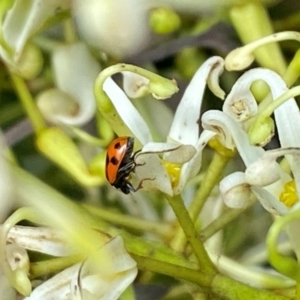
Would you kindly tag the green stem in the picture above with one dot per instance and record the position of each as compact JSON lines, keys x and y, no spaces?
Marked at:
{"x":175,"y":271}
{"x":287,"y":266}
{"x":188,"y":227}
{"x":211,"y":178}
{"x":269,"y":110}
{"x":224,"y":287}
{"x":293,"y":71}
{"x":230,"y":289}
{"x":28,"y":103}
{"x":161,"y":229}
{"x":297,"y":291}
{"x":52,"y":266}
{"x":218,"y":224}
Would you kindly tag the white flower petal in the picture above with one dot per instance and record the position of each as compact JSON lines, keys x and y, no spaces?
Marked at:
{"x":235,"y":191}
{"x":230,"y":131}
{"x":110,"y":26}
{"x":264,"y":171}
{"x":152,"y":169}
{"x":240,"y":103}
{"x":185,"y":127}
{"x":107,"y":283}
{"x":75,"y":72}
{"x":174,"y":153}
{"x":269,"y":201}
{"x":41,"y":239}
{"x":154,"y":112}
{"x":192,"y":167}
{"x":110,"y":285}
{"x":129,"y":114}
{"x":57,"y":287}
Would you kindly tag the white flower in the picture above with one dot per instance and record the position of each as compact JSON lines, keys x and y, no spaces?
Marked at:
{"x":84,"y":280}
{"x":263,"y":175}
{"x":73,"y":102}
{"x":183,"y":146}
{"x":117,"y":27}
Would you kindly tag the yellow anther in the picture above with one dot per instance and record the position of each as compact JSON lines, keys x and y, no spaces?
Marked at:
{"x":289,"y":195}
{"x":215,"y":144}
{"x":173,"y":171}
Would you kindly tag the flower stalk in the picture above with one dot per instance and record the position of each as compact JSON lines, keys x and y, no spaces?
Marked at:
{"x":262,"y":128}
{"x":28,"y":103}
{"x":211,"y":178}
{"x":188,"y":227}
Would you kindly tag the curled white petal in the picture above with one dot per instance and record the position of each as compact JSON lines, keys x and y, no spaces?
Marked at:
{"x":40,"y":239}
{"x":264,"y":171}
{"x":235,"y":191}
{"x":127,"y":111}
{"x":231,"y":135}
{"x":185,"y":127}
{"x":240,"y":103}
{"x":75,"y":72}
{"x":135,"y":85}
{"x":111,"y":26}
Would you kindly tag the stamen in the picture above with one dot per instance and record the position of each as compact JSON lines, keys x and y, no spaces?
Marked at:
{"x":173,"y":171}
{"x":289,"y":195}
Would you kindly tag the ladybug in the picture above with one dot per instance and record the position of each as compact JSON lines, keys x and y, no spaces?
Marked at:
{"x":120,"y":163}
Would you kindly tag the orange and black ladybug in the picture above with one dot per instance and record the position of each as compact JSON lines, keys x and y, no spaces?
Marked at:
{"x":120,"y":163}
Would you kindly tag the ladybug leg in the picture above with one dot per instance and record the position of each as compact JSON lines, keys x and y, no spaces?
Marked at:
{"x":127,"y":168}
{"x":139,"y":165}
{"x":140,"y":185}
{"x":133,"y":157}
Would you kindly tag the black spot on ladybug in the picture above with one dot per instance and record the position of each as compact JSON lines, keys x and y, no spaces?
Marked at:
{"x":117,"y":146}
{"x":114,"y":161}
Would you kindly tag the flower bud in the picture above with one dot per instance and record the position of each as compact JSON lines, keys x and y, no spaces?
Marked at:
{"x":30,"y":63}
{"x":164,"y":20}
{"x":261,"y":132}
{"x":56,"y":105}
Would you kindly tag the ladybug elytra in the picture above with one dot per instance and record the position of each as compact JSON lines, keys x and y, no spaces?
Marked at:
{"x":120,"y":163}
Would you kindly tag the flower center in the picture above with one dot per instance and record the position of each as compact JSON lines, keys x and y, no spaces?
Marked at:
{"x":173,"y":171}
{"x":289,"y":194}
